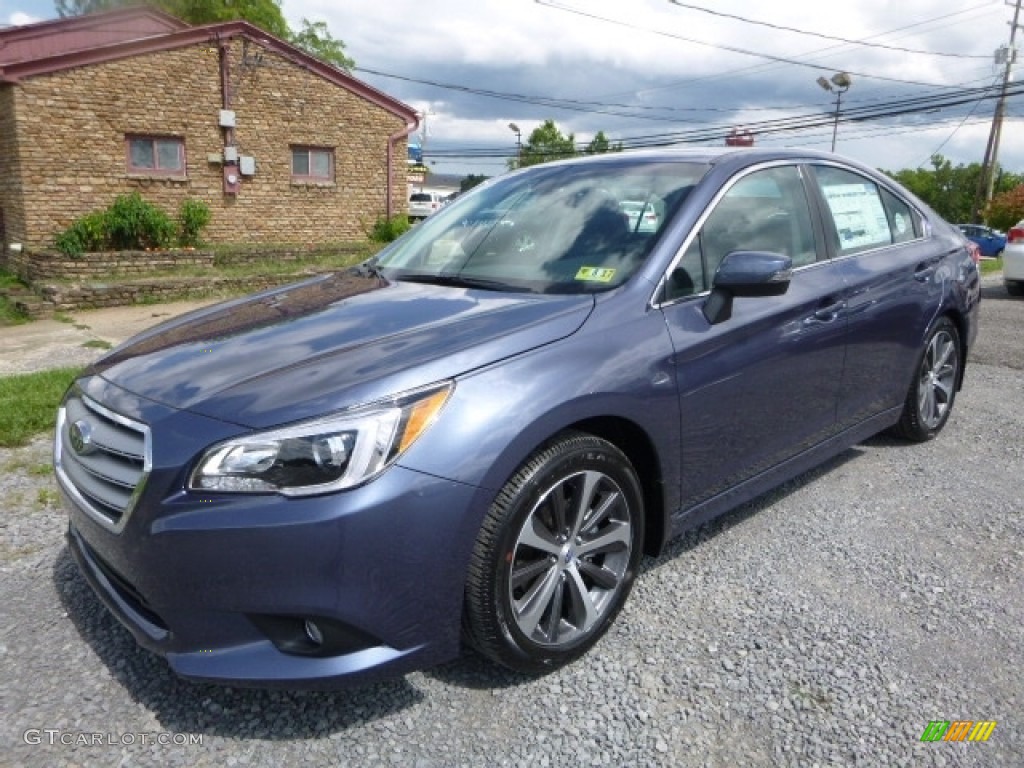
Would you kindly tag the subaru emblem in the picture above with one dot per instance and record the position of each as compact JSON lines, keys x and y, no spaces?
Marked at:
{"x":80,"y":436}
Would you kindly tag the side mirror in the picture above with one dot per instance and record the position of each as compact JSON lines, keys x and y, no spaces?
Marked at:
{"x":747,"y":274}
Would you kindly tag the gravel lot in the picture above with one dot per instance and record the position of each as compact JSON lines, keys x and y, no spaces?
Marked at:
{"x":826,"y":624}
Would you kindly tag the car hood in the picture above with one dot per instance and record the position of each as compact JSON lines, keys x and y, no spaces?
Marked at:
{"x":314,"y":347}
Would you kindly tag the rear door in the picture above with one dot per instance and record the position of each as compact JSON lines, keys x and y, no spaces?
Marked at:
{"x":762,"y":386}
{"x":891,"y":267}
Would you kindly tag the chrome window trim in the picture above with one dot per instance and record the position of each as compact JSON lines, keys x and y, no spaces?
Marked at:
{"x":69,"y":487}
{"x":926,"y":227}
{"x":699,"y":224}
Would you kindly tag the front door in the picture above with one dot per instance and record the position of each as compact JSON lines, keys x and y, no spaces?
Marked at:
{"x":762,"y":386}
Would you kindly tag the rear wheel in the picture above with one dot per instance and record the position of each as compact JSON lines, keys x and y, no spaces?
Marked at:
{"x":933,"y":390}
{"x":1015,"y":287}
{"x":556,"y":555}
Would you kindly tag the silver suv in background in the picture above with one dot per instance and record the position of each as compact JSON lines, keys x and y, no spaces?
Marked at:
{"x":423,"y":204}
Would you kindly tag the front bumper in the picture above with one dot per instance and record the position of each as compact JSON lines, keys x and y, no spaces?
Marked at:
{"x":213,"y":581}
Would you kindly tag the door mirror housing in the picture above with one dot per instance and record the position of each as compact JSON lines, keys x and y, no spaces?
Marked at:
{"x":748,"y":274}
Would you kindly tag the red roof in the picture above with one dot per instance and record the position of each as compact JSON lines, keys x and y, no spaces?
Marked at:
{"x":48,"y":38}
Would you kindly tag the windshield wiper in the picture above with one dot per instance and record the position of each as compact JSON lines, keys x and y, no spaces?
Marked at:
{"x":459,"y":281}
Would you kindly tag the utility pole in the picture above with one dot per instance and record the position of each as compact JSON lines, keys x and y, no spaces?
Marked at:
{"x":986,"y":183}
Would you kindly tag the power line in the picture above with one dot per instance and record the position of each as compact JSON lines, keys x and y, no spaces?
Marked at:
{"x":954,"y":132}
{"x":792,"y":124}
{"x":816,"y":52}
{"x":729,"y":48}
{"x":846,"y":40}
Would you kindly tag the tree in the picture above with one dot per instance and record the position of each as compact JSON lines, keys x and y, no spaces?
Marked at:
{"x":314,"y":38}
{"x":600,"y":144}
{"x":1006,"y":209}
{"x":471,"y":181}
{"x":951,"y":190}
{"x":547,"y":143}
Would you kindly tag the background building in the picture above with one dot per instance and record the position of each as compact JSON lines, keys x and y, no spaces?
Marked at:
{"x":283,"y":147}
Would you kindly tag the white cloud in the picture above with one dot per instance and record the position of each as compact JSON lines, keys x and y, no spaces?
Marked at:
{"x":19,"y":19}
{"x":640,"y":59}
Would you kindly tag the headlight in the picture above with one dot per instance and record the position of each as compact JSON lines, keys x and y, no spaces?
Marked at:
{"x":327,"y":454}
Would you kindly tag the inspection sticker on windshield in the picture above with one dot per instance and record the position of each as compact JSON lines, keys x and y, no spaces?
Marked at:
{"x":597,"y":274}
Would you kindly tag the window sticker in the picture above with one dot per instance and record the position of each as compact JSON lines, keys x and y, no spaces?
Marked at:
{"x":596,"y":274}
{"x":859,"y":216}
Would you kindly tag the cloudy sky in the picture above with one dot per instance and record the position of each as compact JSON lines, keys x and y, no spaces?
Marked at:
{"x":659,"y":71}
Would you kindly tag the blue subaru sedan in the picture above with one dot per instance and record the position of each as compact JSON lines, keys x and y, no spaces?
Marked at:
{"x":475,"y":436}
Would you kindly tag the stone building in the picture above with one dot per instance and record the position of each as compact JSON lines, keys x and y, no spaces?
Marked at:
{"x":281,"y":146}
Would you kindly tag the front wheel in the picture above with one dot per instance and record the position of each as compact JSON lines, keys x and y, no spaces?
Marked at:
{"x":933,"y":390}
{"x":1015,"y":288}
{"x":556,"y":555}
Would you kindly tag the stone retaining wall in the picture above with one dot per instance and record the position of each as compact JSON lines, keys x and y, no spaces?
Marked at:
{"x":33,"y":267}
{"x":67,"y":297}
{"x":122,"y":278}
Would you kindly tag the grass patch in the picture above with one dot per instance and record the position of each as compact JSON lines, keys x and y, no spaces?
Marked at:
{"x":9,"y":280}
{"x":97,"y":344}
{"x":27,"y":465}
{"x":9,"y":314}
{"x":63,"y":317}
{"x":988,"y":266}
{"x":47,"y":498}
{"x":28,"y":404}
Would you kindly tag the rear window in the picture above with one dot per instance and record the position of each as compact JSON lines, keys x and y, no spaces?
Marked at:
{"x":420,"y":197}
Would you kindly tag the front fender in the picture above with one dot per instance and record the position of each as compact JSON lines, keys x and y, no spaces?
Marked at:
{"x":499,"y":415}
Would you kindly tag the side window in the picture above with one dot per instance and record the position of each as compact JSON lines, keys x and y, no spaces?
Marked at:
{"x":765,"y":211}
{"x":903,"y":221}
{"x":157,"y":155}
{"x":855,"y":202}
{"x":312,"y":164}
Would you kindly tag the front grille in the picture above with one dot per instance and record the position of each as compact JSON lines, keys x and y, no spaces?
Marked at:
{"x":102,"y":459}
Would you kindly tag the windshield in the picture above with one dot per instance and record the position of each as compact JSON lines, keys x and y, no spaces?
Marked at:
{"x":576,"y":228}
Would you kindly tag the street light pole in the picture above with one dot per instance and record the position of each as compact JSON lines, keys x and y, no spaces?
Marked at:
{"x":842,"y":83}
{"x":519,"y":143}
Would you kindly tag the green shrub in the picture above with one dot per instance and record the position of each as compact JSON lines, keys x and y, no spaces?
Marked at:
{"x":132,"y":224}
{"x":89,"y":233}
{"x":387,"y":229}
{"x":192,"y":217}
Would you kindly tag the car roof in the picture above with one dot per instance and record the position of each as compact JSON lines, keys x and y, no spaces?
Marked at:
{"x":712,"y":155}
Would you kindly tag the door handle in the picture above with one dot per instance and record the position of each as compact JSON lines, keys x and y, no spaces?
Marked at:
{"x":924,"y":271}
{"x":827,"y":313}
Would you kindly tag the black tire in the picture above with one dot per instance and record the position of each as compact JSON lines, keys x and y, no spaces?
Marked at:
{"x":933,"y":390}
{"x":535,"y":602}
{"x":1015,"y":288}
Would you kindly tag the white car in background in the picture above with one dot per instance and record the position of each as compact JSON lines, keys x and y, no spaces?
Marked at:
{"x":423,"y":204}
{"x":1013,"y":260}
{"x":642,"y":216}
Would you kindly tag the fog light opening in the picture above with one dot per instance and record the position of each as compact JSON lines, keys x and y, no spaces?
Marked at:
{"x":313,"y":632}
